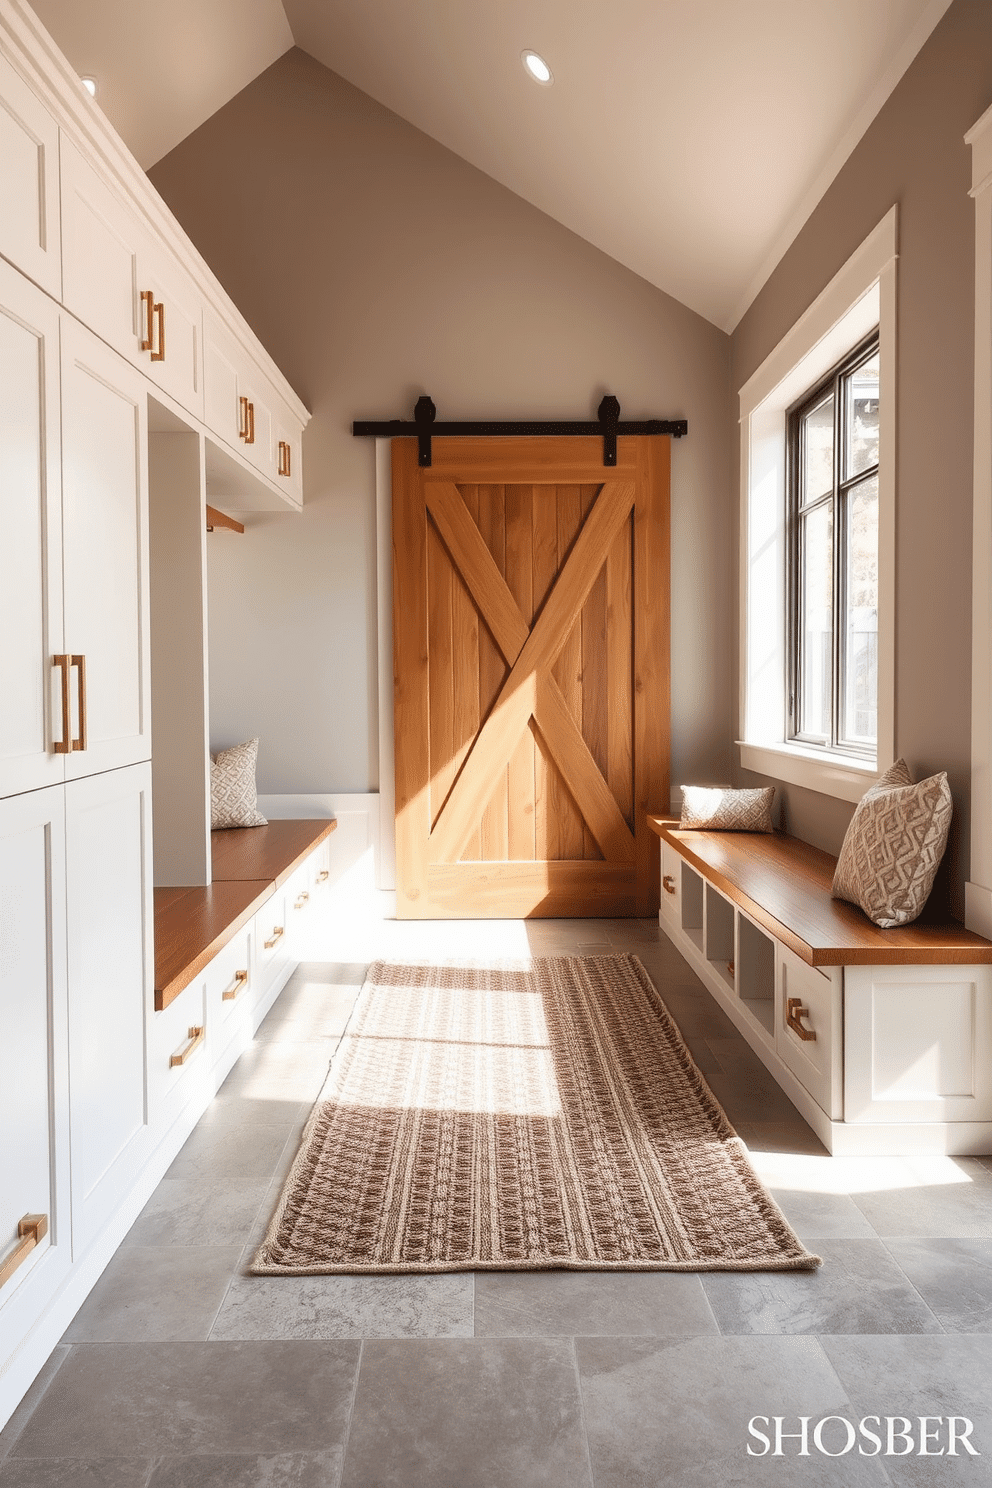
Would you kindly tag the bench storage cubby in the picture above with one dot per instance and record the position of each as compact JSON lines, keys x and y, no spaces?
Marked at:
{"x":881,"y":1038}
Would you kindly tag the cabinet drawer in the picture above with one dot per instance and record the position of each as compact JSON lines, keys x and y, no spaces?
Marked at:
{"x":178,"y":1057}
{"x":272,"y":949}
{"x":229,"y":985}
{"x":817,"y":1003}
{"x":671,"y":885}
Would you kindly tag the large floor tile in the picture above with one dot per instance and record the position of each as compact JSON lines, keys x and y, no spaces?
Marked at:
{"x":347,"y":1307}
{"x":521,"y":1304}
{"x":819,"y":1216}
{"x":245,"y":1150}
{"x":913,"y":1377}
{"x":156,"y":1294}
{"x":954,"y":1278}
{"x":71,"y":1472}
{"x":283,"y":1470}
{"x":676,"y":1412}
{"x":203,"y":1210}
{"x":952,"y":1199}
{"x":467,"y":1413}
{"x":858,"y":1289}
{"x":173,"y":1399}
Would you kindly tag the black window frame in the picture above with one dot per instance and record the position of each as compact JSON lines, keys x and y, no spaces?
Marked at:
{"x":837,"y":382}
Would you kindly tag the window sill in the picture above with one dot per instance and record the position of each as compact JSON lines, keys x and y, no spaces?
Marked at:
{"x":831,"y":775}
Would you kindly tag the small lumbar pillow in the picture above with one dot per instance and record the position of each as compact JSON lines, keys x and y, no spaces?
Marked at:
{"x":716,"y":809}
{"x":893,"y":846}
{"x":233,"y":802}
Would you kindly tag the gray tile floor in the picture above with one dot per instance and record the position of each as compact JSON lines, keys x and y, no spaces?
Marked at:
{"x":181,"y":1370}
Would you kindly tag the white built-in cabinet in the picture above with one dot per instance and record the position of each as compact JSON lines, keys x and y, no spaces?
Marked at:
{"x":103,"y":308}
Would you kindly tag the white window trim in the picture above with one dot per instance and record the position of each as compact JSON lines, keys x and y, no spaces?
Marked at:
{"x":859,"y":297}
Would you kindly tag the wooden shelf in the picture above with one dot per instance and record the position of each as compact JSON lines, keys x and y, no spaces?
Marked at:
{"x":249,"y":864}
{"x":784,"y":885}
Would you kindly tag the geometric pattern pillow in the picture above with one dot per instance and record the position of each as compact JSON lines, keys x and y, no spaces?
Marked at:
{"x":715,"y":809}
{"x":233,"y":802}
{"x":893,"y":846}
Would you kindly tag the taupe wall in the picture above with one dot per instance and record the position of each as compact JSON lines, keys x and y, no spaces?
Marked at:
{"x":914,"y":154}
{"x":376,"y":265}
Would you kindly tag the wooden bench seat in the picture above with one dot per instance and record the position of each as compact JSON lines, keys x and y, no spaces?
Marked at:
{"x":784,"y":886}
{"x":249,"y":863}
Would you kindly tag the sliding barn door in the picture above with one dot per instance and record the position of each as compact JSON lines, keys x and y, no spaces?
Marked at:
{"x":530,"y":640}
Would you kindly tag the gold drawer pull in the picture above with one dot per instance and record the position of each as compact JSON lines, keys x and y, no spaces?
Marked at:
{"x":323,"y":875}
{"x":31,"y":1230}
{"x":196,"y":1037}
{"x":79,"y":662}
{"x":794,"y":1014}
{"x":668,"y":883}
{"x":277,"y":932}
{"x":250,"y":424}
{"x":240,"y":980}
{"x":64,"y":745}
{"x":303,"y":899}
{"x":159,"y":356}
{"x":284,"y":458}
{"x":243,"y":418}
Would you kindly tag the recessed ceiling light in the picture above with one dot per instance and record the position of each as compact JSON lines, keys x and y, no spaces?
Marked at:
{"x":537,"y":68}
{"x":90,"y":85}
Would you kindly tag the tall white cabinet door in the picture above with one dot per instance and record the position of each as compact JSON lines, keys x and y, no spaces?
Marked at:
{"x":31,"y":718}
{"x":109,"y":932}
{"x":105,"y":554}
{"x":29,"y":183}
{"x":33,"y":1077}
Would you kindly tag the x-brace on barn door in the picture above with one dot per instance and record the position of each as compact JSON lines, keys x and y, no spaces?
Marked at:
{"x":531,"y":660}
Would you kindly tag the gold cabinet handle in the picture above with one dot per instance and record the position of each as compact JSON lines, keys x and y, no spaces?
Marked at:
{"x":668,"y":883}
{"x":250,"y":436}
{"x":323,"y":875}
{"x":148,"y":302}
{"x":159,"y":355}
{"x":243,"y":418}
{"x":31,"y":1230}
{"x":196,"y":1037}
{"x":64,"y":745}
{"x":240,"y":980}
{"x":284,"y":458}
{"x":303,"y":899}
{"x":79,"y":662}
{"x":794,"y":1014}
{"x":277,"y":932}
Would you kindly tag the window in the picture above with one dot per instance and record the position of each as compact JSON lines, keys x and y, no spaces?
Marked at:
{"x":846,"y":734}
{"x":832,"y":557}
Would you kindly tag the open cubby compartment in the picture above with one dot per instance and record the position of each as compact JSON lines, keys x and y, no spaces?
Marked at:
{"x":720,"y":935}
{"x":756,"y":973}
{"x":692,"y":904}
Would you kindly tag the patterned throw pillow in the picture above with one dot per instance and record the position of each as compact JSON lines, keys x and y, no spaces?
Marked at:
{"x":233,"y":802}
{"x":716,"y":809}
{"x":893,"y":846}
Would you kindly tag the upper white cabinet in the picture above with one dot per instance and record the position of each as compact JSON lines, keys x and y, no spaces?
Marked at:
{"x":105,"y":556}
{"x":31,"y":545}
{"x":244,"y":409}
{"x":126,"y":287}
{"x":29,"y":183}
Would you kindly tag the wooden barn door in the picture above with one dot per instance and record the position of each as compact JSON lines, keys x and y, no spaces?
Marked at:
{"x":531,"y":660}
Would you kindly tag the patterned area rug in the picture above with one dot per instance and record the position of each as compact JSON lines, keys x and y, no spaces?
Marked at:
{"x":516,"y":1116}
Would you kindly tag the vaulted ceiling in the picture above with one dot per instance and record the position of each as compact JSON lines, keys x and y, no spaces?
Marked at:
{"x":689,"y":139}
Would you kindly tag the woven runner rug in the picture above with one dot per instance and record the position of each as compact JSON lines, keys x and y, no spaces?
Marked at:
{"x":518,"y":1116}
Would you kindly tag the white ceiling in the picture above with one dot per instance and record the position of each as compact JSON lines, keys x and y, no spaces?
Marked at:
{"x":689,"y":139}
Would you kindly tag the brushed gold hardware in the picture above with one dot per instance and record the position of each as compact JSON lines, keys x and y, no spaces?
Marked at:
{"x":669,"y":883}
{"x":284,"y":458}
{"x":79,"y":662}
{"x":794,"y":1014}
{"x":730,"y":969}
{"x":217,"y":518}
{"x":64,"y":745}
{"x":159,"y":356}
{"x":277,"y":932}
{"x":302,"y":900}
{"x":196,"y":1037}
{"x":323,"y":875}
{"x":240,"y":980}
{"x":31,"y":1230}
{"x":243,"y":418}
{"x":148,"y":300}
{"x":250,"y":436}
